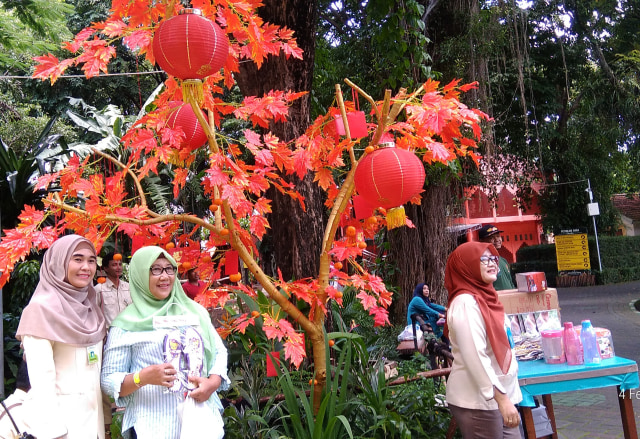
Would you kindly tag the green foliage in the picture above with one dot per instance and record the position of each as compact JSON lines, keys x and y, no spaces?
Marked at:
{"x":251,"y":416}
{"x":103,"y":130}
{"x":330,"y":421}
{"x":24,"y":280}
{"x":30,"y":28}
{"x":20,"y":131}
{"x":380,"y":43}
{"x":620,"y":256}
{"x":21,"y":168}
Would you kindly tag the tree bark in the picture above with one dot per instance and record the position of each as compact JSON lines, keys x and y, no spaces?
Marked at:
{"x":295,"y":239}
{"x":421,"y":252}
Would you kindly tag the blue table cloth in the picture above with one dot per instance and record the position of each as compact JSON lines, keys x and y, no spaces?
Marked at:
{"x":540,"y":378}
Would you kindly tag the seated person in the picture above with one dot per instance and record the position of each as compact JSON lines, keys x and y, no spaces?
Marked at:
{"x":421,"y":304}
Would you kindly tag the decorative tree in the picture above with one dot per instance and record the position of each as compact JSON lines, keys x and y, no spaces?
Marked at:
{"x":430,"y":122}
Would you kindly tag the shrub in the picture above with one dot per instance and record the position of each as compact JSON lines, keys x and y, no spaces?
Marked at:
{"x":620,"y":257}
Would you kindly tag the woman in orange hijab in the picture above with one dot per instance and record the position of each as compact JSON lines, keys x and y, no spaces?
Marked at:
{"x":483,"y":385}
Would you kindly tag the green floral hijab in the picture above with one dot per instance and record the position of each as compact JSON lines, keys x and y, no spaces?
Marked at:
{"x":139,"y":315}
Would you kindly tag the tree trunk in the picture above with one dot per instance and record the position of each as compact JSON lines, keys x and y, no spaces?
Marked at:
{"x":295,"y":239}
{"x":421,"y":253}
{"x":294,"y":243}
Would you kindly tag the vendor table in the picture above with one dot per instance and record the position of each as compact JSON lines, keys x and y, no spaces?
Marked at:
{"x":539,"y":378}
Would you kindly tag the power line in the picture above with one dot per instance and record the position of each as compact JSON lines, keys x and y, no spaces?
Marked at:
{"x":83,"y":76}
{"x":564,"y":182}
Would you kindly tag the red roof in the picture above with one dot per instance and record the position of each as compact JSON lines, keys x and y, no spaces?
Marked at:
{"x":628,"y":205}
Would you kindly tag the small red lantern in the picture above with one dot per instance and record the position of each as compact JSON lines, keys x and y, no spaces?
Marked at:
{"x":182,"y":116}
{"x":190,"y":46}
{"x":389,"y":177}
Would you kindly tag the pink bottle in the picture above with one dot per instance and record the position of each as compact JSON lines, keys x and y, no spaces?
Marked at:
{"x":572,"y":345}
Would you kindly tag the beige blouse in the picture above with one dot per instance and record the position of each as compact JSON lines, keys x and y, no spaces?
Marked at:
{"x":65,"y":398}
{"x":475,"y":370}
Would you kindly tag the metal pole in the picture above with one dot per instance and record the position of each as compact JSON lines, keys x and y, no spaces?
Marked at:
{"x":595,"y":230}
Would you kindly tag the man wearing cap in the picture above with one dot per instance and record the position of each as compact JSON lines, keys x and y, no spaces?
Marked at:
{"x":490,"y":234}
{"x":113,"y":295}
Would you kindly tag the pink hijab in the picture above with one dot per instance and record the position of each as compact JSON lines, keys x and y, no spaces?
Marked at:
{"x":462,"y":276}
{"x":58,"y":311}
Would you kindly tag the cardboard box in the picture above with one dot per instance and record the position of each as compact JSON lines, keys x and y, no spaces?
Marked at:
{"x":518,"y":302}
{"x":532,"y":281}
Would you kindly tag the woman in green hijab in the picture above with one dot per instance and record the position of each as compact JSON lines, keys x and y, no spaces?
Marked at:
{"x":161,"y":351}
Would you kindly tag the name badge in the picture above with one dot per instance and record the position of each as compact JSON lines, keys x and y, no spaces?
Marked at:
{"x":160,"y":322}
{"x":92,"y":354}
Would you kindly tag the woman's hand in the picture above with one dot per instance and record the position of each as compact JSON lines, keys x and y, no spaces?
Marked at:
{"x":159,"y":374}
{"x":205,"y":387}
{"x":509,"y":412}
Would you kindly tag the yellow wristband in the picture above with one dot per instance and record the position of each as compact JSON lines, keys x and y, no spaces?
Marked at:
{"x":136,"y":379}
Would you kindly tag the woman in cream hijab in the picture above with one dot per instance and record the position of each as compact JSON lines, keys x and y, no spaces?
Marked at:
{"x":61,"y":331}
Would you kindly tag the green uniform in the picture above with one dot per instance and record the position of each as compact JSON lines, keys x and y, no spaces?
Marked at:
{"x":504,"y":281}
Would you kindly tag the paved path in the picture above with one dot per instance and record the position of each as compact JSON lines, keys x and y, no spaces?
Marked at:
{"x":595,"y":413}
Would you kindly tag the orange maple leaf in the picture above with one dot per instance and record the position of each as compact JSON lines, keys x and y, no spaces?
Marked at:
{"x":50,"y":67}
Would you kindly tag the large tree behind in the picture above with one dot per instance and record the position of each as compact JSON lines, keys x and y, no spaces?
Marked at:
{"x":295,"y":238}
{"x":384,"y":43}
{"x":558,"y":80}
{"x":420,"y":253}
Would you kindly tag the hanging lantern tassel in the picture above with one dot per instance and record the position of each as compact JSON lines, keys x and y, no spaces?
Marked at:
{"x":395,"y":217}
{"x":192,"y":91}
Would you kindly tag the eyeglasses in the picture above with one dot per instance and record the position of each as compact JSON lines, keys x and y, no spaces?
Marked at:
{"x":486,"y":259}
{"x":157,"y":271}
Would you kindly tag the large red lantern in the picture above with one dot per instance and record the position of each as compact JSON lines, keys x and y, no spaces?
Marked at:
{"x":181,"y":115}
{"x":389,"y":177}
{"x":190,"y":46}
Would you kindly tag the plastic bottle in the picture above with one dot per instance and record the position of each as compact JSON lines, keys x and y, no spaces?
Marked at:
{"x":572,"y":345}
{"x":590,"y":344}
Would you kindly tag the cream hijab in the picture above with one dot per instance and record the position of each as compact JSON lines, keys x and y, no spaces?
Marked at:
{"x":58,"y":311}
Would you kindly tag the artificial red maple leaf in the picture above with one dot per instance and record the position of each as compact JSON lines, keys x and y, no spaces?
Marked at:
{"x":367,"y":300}
{"x":50,"y":67}
{"x":139,"y":40}
{"x":342,"y":251}
{"x":95,"y":57}
{"x":380,"y":316}
{"x":258,"y":226}
{"x":438,"y":153}
{"x":302,"y":162}
{"x":294,"y":352}
{"x":263,"y":206}
{"x":242,"y":322}
{"x":80,"y":38}
{"x":45,"y":181}
{"x":114,"y":28}
{"x":324,"y":178}
{"x":332,"y":293}
{"x":179,"y":180}
{"x":272,"y":328}
{"x":470,"y":86}
{"x":451,"y":85}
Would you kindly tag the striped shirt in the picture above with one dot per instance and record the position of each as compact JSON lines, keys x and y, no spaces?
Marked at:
{"x":151,"y":409}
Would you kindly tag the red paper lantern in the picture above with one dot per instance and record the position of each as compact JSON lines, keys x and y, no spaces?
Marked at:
{"x":389,"y":177}
{"x":182,"y":116}
{"x":189,"y":46}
